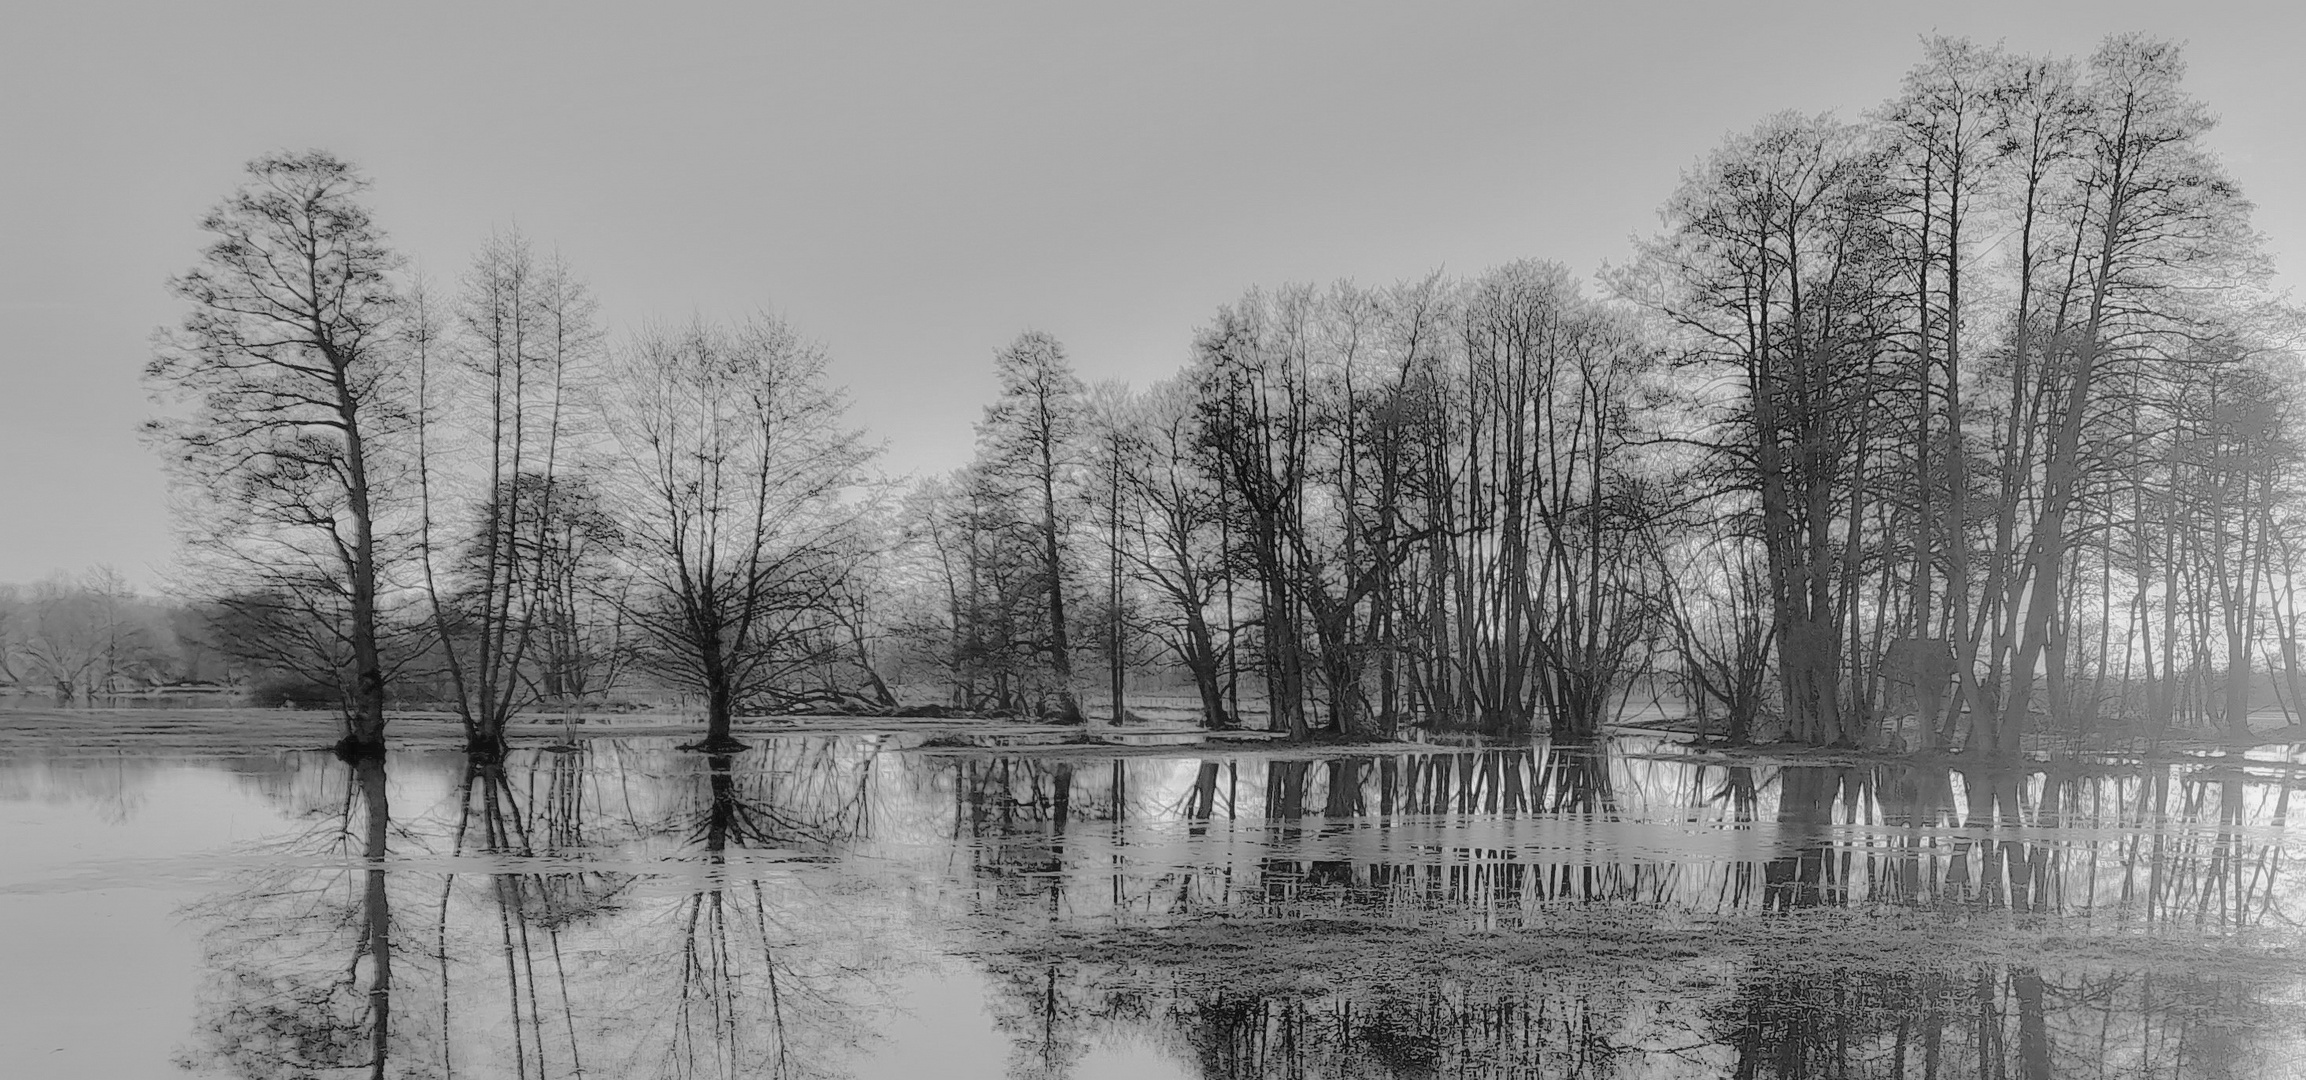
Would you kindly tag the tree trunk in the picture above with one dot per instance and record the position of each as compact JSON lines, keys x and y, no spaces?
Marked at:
{"x":1060,"y":655}
{"x":364,"y":734}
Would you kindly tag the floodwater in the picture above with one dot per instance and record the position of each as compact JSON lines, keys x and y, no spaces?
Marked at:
{"x":855,"y":906}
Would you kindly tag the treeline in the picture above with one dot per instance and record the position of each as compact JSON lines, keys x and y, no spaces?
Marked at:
{"x":84,"y":636}
{"x":1975,"y":408}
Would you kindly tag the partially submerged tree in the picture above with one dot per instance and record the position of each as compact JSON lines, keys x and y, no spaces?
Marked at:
{"x":1779,"y":263}
{"x":289,"y":403}
{"x":498,"y":429}
{"x":735,"y":487}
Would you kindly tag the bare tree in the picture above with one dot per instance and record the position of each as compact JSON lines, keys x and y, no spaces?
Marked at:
{"x":1115,"y":435}
{"x":81,"y":634}
{"x":289,"y":402}
{"x":1778,"y":253}
{"x":1252,"y":379}
{"x":735,"y":489}
{"x":1177,"y":551}
{"x":525,"y":335}
{"x":2148,"y":208}
{"x":577,"y":596}
{"x":1027,"y":442}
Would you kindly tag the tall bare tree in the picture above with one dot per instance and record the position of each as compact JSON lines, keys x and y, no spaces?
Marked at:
{"x":1779,"y":255}
{"x":1028,"y":443}
{"x":2146,"y":209}
{"x":497,"y":433}
{"x":289,"y":405}
{"x":1177,"y":550}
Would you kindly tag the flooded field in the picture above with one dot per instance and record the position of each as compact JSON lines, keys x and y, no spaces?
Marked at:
{"x":857,"y":905}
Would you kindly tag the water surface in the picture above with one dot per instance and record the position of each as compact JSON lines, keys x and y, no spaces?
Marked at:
{"x":844,"y":905}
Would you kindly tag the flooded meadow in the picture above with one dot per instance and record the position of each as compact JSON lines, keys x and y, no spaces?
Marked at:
{"x":880,"y":904}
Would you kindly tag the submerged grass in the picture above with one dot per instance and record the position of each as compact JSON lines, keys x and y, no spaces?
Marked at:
{"x":1318,"y":954}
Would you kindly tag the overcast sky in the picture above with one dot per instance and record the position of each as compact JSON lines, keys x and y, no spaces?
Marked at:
{"x":914,"y":184}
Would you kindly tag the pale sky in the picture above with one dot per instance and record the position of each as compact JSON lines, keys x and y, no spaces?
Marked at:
{"x":914,"y":184}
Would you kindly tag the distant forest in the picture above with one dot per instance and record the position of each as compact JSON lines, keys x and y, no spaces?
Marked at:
{"x":1977,"y":410}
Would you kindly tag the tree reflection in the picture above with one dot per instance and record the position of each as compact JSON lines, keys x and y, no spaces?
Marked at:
{"x":1603,"y":1020}
{"x":2176,"y":846}
{"x":1993,"y":1020}
{"x":630,"y":910}
{"x":542,"y":955}
{"x":376,"y":913}
{"x":528,"y":910}
{"x":749,"y":996}
{"x":302,"y":962}
{"x":715,"y":1032}
{"x":1501,"y":832}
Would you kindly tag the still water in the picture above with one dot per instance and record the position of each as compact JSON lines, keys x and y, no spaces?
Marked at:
{"x":856,"y":906}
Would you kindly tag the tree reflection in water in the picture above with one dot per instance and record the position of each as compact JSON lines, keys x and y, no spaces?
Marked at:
{"x":1500,"y":833}
{"x":1982,"y":1021}
{"x":300,"y":963}
{"x":1519,"y":839}
{"x":628,"y":910}
{"x":597,"y":912}
{"x":749,"y":1001}
{"x":531,"y":909}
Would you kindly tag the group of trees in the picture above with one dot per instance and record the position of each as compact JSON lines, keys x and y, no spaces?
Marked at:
{"x":1980,"y":391}
{"x":683,"y":504}
{"x":384,"y":485}
{"x":1384,"y":505}
{"x":80,"y":636}
{"x":1994,"y":374}
{"x":1983,"y":386}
